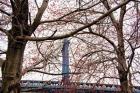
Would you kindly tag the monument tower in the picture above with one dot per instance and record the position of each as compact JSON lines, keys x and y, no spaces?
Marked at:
{"x":65,"y":61}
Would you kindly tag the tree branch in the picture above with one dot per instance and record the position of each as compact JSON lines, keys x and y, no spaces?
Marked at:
{"x":52,"y":73}
{"x":65,"y":15}
{"x":104,"y":37}
{"x":2,"y":11}
{"x":131,"y":57}
{"x":5,"y":4}
{"x":107,"y":6}
{"x":74,"y":32}
{"x":2,"y":52}
{"x":122,"y":13}
{"x":4,"y":31}
{"x":39,"y":15}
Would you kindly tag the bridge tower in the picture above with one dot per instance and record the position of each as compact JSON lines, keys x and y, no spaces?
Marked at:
{"x":65,"y":62}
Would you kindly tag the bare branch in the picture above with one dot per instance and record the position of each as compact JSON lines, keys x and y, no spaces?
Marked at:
{"x":94,"y":52}
{"x":77,"y":10}
{"x":39,"y":15}
{"x":7,"y":33}
{"x":74,"y":32}
{"x":4,"y":31}
{"x":137,"y":72}
{"x":36,"y":4}
{"x":131,"y":57}
{"x":107,"y":6}
{"x":122,"y":13}
{"x":5,"y":4}
{"x":104,"y":37}
{"x":52,"y":73}
{"x":107,"y":77}
{"x":8,"y":14}
{"x":2,"y":52}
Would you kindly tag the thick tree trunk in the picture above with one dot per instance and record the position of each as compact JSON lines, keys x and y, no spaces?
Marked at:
{"x":11,"y":69}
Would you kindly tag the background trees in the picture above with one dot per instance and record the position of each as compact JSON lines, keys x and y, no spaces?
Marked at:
{"x":104,"y":35}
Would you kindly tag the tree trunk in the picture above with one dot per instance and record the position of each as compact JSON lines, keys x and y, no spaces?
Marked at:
{"x":11,"y":69}
{"x":122,"y":65}
{"x":123,"y":75}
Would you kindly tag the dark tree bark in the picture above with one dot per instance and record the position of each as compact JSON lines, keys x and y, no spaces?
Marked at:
{"x":11,"y":69}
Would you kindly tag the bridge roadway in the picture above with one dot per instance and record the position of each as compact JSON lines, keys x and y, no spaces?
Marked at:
{"x":73,"y":87}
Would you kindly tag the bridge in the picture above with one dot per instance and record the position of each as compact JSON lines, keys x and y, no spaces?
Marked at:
{"x":73,"y":87}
